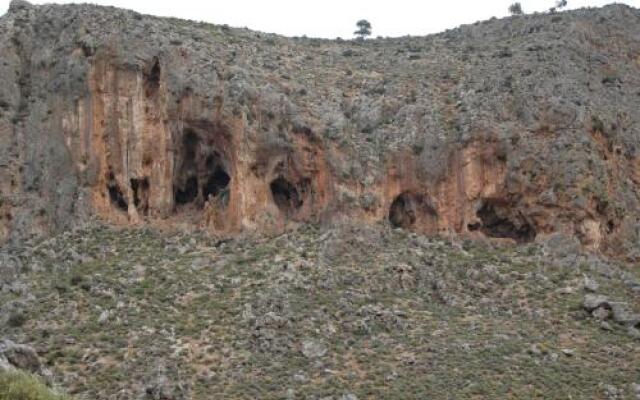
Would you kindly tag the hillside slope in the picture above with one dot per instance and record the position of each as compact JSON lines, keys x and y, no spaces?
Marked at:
{"x":514,"y":129}
{"x":341,"y":312}
{"x":190,"y":211}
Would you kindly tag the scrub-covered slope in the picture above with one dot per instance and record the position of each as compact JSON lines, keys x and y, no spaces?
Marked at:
{"x":336,"y":313}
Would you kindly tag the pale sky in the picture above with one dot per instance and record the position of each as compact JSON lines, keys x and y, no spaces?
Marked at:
{"x":336,"y":18}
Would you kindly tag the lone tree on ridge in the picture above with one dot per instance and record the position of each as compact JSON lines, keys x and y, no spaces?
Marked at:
{"x":364,"y":29}
{"x":515,"y":9}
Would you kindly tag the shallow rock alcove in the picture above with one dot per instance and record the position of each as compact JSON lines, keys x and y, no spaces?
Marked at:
{"x":411,"y":210}
{"x":202,"y":172}
{"x":497,"y":220}
{"x":286,"y":195}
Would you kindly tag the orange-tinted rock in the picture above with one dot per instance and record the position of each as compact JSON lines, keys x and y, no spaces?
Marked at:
{"x":231,"y":130}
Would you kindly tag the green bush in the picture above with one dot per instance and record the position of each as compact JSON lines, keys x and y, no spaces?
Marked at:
{"x":17,"y":319}
{"x":515,"y":9}
{"x":364,"y":29}
{"x":15,"y":385}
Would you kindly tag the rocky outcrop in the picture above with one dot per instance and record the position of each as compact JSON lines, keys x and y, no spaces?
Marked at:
{"x":22,"y":357}
{"x":513,"y":129}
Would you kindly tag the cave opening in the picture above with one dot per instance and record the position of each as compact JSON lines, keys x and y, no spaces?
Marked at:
{"x":408,"y":209}
{"x":402,"y":213}
{"x":140,"y":189}
{"x":152,"y":81}
{"x":189,"y":193}
{"x":611,"y":226}
{"x":202,"y":171}
{"x":217,"y":183}
{"x":116,"y":196}
{"x":285,"y":195}
{"x":494,"y":223}
{"x":186,"y":188}
{"x":217,"y":179}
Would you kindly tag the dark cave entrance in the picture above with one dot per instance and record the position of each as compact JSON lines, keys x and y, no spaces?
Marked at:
{"x":116,"y":196}
{"x":410,"y":209}
{"x":286,"y":195}
{"x":186,"y":190}
{"x":495,"y":222}
{"x":189,"y":192}
{"x":140,"y":189}
{"x":202,"y":173}
{"x":217,"y":178}
{"x":611,"y":226}
{"x":152,"y":79}
{"x":402,"y":213}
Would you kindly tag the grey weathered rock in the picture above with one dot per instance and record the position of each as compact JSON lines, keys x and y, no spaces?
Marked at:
{"x":568,"y":352}
{"x":635,"y":390}
{"x":633,"y":332}
{"x":159,"y":389}
{"x":291,"y":394}
{"x":590,"y":285}
{"x":604,"y":325}
{"x":601,"y":313}
{"x":200,"y":263}
{"x":602,"y":308}
{"x":612,"y":392}
{"x":622,"y":315}
{"x":104,"y":316}
{"x":161,"y":386}
{"x":17,"y":356}
{"x":300,"y":377}
{"x":313,"y":349}
{"x":592,"y":301}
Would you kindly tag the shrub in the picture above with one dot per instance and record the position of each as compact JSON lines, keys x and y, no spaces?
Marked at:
{"x":364,"y":29}
{"x":560,"y":4}
{"x":515,"y":9}
{"x":17,"y":319}
{"x":16,"y":385}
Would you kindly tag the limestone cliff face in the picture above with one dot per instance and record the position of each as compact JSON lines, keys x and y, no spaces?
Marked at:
{"x":146,"y":154}
{"x":514,"y":129}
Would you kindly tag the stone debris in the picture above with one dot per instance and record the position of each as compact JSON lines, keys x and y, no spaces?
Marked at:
{"x":313,"y":349}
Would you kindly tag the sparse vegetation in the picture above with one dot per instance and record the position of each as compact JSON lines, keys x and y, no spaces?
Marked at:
{"x":16,"y":385}
{"x":389,"y":313}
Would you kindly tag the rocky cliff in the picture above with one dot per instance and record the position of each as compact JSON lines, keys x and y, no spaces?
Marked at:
{"x":518,"y":129}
